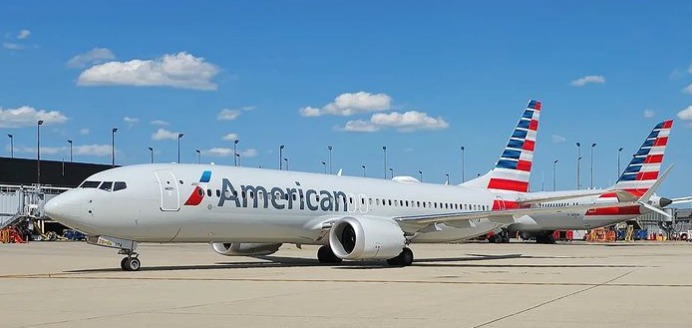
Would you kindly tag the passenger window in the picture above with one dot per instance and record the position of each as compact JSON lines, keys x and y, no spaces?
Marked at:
{"x":119,"y":185}
{"x":90,"y":184}
{"x":209,"y":192}
{"x":218,"y":193}
{"x":200,"y":192}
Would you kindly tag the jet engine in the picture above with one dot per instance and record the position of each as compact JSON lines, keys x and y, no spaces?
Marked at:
{"x":366,"y":238}
{"x":245,"y":249}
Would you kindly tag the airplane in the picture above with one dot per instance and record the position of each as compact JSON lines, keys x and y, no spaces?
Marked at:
{"x":638,"y":178}
{"x":252,"y":212}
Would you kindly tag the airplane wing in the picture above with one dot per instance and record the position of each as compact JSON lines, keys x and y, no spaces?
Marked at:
{"x":681,"y":200}
{"x":531,"y":199}
{"x":509,"y":216}
{"x":504,"y":216}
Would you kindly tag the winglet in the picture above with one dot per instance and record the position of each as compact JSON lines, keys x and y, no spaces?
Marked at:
{"x":645,"y":197}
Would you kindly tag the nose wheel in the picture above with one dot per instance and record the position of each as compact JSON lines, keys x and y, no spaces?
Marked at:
{"x":130,"y":264}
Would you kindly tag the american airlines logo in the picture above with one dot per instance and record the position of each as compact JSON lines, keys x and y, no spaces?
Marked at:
{"x":284,"y":198}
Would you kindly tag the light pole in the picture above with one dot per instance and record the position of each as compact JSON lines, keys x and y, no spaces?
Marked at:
{"x":180,"y":136}
{"x":286,"y":160}
{"x":113,"y":131}
{"x":238,"y":156}
{"x":384,"y":148}
{"x":151,"y":152}
{"x":324,"y":166}
{"x":70,"y":142}
{"x":463,"y":159}
{"x":578,"y":163}
{"x":38,"y":152}
{"x":392,"y":171}
{"x":447,"y":178}
{"x":11,"y":145}
{"x":281,"y":155}
{"x":618,"y":175}
{"x":235,"y":152}
{"x":199,"y":156}
{"x":363,"y":166}
{"x":554,"y":168}
{"x":592,"y":147}
{"x":330,"y":159}
{"x":421,"y":175}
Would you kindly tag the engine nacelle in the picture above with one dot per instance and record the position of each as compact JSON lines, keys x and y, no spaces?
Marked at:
{"x":366,"y":238}
{"x":245,"y":249}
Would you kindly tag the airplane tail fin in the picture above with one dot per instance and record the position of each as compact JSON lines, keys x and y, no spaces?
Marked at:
{"x":642,"y":171}
{"x":513,"y":169}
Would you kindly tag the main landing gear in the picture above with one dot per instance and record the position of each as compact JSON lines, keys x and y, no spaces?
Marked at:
{"x":326,"y":256}
{"x":131,"y":261}
{"x":405,"y":258}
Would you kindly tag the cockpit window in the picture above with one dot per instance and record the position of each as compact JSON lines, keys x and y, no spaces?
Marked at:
{"x":119,"y":185}
{"x":90,"y":184}
{"x":106,"y":185}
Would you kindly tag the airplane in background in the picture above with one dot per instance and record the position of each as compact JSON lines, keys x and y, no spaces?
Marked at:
{"x":250,"y":212}
{"x":636,"y":180}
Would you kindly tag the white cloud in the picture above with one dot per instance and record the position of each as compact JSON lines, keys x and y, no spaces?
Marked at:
{"x":181,"y":70}
{"x":558,"y":138}
{"x":649,"y":113}
{"x":130,"y":120}
{"x":23,"y":34}
{"x":160,"y":123}
{"x":44,"y":150}
{"x":12,"y":46}
{"x":163,"y":134}
{"x":84,"y":131}
{"x":348,"y":104}
{"x":688,"y":89}
{"x":409,"y":121}
{"x":403,"y":122}
{"x":250,"y":152}
{"x":225,"y":152}
{"x":598,"y":79}
{"x":93,"y":150}
{"x":228,"y":114}
{"x":686,"y":114}
{"x":91,"y":57}
{"x":29,"y":116}
{"x":230,"y":137}
{"x":360,"y":126}
{"x":219,"y":152}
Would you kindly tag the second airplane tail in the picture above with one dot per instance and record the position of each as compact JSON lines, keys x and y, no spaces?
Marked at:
{"x":643,"y":169}
{"x":513,"y":169}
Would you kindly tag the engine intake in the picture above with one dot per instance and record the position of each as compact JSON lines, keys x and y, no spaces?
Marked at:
{"x":366,"y":238}
{"x":245,"y":249}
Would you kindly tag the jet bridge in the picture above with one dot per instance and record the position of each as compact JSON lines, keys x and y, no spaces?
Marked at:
{"x":21,"y":203}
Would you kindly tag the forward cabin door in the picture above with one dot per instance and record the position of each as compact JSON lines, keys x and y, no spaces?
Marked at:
{"x":170,"y":193}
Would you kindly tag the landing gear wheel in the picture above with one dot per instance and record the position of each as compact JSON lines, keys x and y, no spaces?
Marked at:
{"x":326,"y":256}
{"x":131,"y":264}
{"x":405,"y":258}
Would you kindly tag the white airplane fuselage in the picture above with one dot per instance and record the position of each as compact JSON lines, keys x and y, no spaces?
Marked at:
{"x":153,"y":206}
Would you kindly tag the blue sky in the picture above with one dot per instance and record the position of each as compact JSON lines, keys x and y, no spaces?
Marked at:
{"x":296,"y":73}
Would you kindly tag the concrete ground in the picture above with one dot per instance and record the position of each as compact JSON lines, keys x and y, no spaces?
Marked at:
{"x":68,"y":284}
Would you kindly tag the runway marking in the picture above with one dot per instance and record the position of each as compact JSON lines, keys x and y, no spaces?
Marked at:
{"x":606,"y":283}
{"x":76,"y":276}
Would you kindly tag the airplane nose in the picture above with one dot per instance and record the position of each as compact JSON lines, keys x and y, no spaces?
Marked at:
{"x":665,"y":201}
{"x":63,"y":208}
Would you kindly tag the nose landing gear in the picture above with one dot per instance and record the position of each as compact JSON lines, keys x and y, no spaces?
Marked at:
{"x":131,"y":262}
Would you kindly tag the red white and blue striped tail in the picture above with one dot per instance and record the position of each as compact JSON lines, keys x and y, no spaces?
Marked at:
{"x":645,"y":166}
{"x":512,"y":171}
